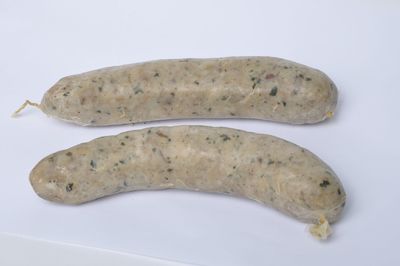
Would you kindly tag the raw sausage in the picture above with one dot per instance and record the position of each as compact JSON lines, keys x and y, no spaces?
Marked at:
{"x":264,"y":88}
{"x":264,"y":168}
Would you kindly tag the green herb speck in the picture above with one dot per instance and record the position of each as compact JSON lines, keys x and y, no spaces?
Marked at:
{"x":93,"y":164}
{"x":137,"y":89}
{"x":273,"y":91}
{"x":160,"y":134}
{"x":255,"y":82}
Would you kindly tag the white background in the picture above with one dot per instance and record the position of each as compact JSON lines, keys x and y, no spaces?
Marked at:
{"x":357,"y":43}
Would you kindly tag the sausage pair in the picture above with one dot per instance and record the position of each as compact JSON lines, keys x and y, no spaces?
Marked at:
{"x":264,"y":168}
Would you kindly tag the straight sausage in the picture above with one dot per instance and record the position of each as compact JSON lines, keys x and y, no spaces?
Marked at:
{"x":263,"y":88}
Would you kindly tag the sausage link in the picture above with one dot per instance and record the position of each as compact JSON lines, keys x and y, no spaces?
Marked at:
{"x":260,"y":167}
{"x":263,"y":88}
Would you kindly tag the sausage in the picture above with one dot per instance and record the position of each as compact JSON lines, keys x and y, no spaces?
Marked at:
{"x":260,"y":167}
{"x":263,"y":88}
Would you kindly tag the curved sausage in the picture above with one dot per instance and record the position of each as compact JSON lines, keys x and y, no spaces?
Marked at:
{"x":264,"y":168}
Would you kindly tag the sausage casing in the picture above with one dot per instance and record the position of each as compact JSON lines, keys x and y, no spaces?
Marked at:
{"x":264,"y":168}
{"x":264,"y":88}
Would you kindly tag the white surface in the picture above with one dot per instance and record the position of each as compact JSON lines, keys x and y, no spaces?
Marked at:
{"x":46,"y":253}
{"x":355,"y":42}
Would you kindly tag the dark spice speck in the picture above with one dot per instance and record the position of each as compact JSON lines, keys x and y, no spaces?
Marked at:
{"x":324,"y":183}
{"x":69,"y":187}
{"x":273,"y":91}
{"x":225,"y":137}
